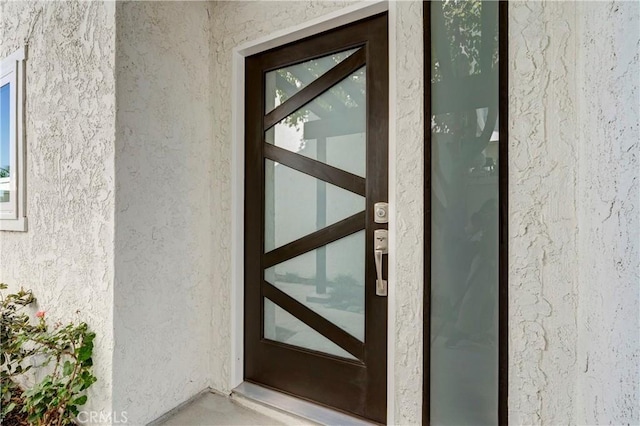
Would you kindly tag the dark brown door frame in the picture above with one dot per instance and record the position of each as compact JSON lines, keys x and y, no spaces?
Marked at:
{"x":503,"y":183}
{"x":305,"y":373}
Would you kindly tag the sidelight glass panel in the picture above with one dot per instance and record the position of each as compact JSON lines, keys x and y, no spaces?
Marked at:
{"x":463,"y":47}
{"x":283,"y":83}
{"x":329,"y":281}
{"x":331,"y":128}
{"x":281,"y":326}
{"x":5,"y":143}
{"x":297,"y":204}
{"x":464,"y":203}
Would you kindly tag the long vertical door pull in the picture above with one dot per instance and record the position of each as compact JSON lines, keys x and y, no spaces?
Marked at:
{"x":381,"y":247}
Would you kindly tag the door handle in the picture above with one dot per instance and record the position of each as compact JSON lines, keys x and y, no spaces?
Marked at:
{"x":380,"y":247}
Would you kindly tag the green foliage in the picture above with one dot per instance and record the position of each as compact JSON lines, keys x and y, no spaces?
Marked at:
{"x":4,"y":172}
{"x":65,"y":353}
{"x":13,"y":324}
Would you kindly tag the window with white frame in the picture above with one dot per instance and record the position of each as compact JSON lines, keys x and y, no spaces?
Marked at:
{"x":12,"y":154}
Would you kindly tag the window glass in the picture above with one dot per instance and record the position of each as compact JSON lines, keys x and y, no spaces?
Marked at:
{"x":328,"y":280}
{"x":331,"y":128}
{"x":281,"y":326}
{"x":12,"y":171}
{"x":464,"y":220}
{"x":283,"y":83}
{"x":294,"y":209}
{"x":5,"y":149}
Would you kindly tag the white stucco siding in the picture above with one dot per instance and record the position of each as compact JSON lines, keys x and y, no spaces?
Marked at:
{"x":608,"y":99}
{"x":406,"y":188}
{"x":543,"y":228}
{"x":163,"y":292}
{"x":574,"y":224}
{"x":66,"y":257}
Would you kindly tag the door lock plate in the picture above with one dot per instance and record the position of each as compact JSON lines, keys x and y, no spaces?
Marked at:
{"x":381,"y":212}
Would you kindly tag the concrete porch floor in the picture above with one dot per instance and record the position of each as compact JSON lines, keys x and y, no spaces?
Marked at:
{"x":216,"y":410}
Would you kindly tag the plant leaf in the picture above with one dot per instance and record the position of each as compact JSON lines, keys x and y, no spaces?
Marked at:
{"x":67,"y":369}
{"x":80,"y":400}
{"x":85,"y":351}
{"x":10,"y":408}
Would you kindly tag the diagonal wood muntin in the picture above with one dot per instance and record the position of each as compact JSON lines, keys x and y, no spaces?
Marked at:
{"x":315,"y":240}
{"x":314,"y":320}
{"x":317,"y":169}
{"x":316,"y":88}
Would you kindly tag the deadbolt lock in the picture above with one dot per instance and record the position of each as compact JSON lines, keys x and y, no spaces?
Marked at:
{"x":381,"y":212}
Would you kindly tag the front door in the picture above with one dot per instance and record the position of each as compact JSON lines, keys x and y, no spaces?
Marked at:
{"x":316,"y":164}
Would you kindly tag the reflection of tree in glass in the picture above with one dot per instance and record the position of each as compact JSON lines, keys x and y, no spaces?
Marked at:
{"x":465,"y":106}
{"x":476,"y":306}
{"x":4,"y":172}
{"x":468,"y":49}
{"x":462,"y":20}
{"x":349,"y":93}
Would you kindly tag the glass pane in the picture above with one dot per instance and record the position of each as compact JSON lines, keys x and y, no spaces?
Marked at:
{"x":5,"y":147}
{"x":331,"y":128}
{"x":283,"y":83}
{"x":329,"y":281}
{"x":464,"y":244}
{"x":460,"y":30}
{"x":281,"y":326}
{"x":297,"y":204}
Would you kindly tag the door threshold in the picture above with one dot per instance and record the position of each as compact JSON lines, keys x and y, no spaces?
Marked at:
{"x":293,"y":406}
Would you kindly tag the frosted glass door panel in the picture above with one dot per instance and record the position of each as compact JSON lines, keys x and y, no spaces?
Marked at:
{"x":283,"y":83}
{"x":281,"y":326}
{"x":464,"y":203}
{"x":329,"y":281}
{"x":293,"y":208}
{"x":331,"y":128}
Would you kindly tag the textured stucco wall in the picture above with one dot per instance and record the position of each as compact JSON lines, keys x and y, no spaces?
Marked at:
{"x":163,"y":292}
{"x":66,"y":257}
{"x":574,"y":261}
{"x":543,"y":226}
{"x":407,"y":193}
{"x":608,"y":99}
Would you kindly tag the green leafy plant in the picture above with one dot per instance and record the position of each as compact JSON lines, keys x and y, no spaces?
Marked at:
{"x":13,"y":323}
{"x":63,"y":353}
